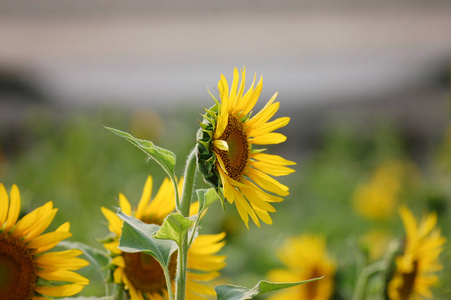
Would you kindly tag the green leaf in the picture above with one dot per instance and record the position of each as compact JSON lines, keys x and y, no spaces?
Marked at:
{"x":175,"y":226}
{"x":206,"y":197}
{"x":137,"y":237}
{"x":164,"y":157}
{"x":232,"y":292}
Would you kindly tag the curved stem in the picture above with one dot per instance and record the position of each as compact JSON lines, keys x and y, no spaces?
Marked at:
{"x":185,"y":203}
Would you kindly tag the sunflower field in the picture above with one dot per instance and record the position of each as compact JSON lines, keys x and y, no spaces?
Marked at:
{"x":112,"y":203}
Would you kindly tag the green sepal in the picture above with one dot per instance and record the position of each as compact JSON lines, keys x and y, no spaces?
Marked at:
{"x":175,"y":226}
{"x":137,"y":237}
{"x":232,"y":292}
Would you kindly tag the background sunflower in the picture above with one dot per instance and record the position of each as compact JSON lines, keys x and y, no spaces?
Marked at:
{"x":139,"y":273}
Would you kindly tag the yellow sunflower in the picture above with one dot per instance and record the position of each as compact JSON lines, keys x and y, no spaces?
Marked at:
{"x":305,"y":258}
{"x":378,"y":198}
{"x":226,"y":154}
{"x":417,"y":266}
{"x":24,"y":260}
{"x":140,"y":273}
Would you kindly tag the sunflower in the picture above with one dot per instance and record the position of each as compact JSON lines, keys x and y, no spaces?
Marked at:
{"x":227,"y":156}
{"x":417,"y":266}
{"x":27,"y":270}
{"x":305,"y":258}
{"x":378,"y":198}
{"x":140,"y":273}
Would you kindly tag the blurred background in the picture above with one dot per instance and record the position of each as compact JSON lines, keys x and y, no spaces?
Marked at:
{"x":366,"y":84}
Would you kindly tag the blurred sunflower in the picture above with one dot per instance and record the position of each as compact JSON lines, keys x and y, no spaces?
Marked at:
{"x":140,"y":273}
{"x":226,"y":155}
{"x":416,"y":267}
{"x":26,"y":272}
{"x":378,"y":198}
{"x":305,"y":258}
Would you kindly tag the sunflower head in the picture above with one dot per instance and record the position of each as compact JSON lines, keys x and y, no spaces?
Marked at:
{"x":139,"y":273}
{"x":417,"y":266}
{"x":227,"y":154}
{"x":27,"y":269}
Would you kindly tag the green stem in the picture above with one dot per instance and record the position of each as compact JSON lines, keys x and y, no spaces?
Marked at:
{"x":168,"y":283}
{"x":188,"y":184}
{"x":363,"y":278}
{"x":185,"y":203}
{"x":181,"y":270}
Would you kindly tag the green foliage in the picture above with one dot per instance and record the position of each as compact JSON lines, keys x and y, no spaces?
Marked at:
{"x":232,"y":292}
{"x":137,"y":237}
{"x":175,"y":227}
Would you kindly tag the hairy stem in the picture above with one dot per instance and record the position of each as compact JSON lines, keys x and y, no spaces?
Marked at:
{"x":188,"y":185}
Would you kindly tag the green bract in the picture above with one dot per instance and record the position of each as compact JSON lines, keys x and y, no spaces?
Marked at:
{"x":206,"y":158}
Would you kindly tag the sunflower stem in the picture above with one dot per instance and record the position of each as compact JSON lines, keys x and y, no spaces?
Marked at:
{"x":184,"y":207}
{"x":168,"y":283}
{"x":188,"y":184}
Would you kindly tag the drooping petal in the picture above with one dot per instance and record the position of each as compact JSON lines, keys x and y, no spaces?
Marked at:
{"x":268,"y":183}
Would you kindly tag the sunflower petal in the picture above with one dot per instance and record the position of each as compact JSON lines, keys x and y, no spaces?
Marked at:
{"x":4,"y":204}
{"x":268,"y":139}
{"x":63,"y":275}
{"x":14,"y":208}
{"x":124,"y":204}
{"x":268,"y":183}
{"x":145,"y":198}
{"x":60,"y":291}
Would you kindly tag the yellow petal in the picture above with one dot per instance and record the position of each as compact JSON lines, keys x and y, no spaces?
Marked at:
{"x":268,"y":139}
{"x":63,"y":275}
{"x":273,"y":170}
{"x":244,"y":209}
{"x":202,"y":276}
{"x":125,"y":205}
{"x":272,"y":159}
{"x":145,"y":198}
{"x":4,"y":204}
{"x":67,"y":260}
{"x":264,"y":114}
{"x":60,"y":291}
{"x":118,"y":274}
{"x":268,"y":183}
{"x":48,"y":241}
{"x":268,"y":127}
{"x":14,"y":208}
{"x":118,"y":261}
{"x":221,"y":145}
{"x":47,"y":219}
{"x":113,"y":247}
{"x":163,"y":203}
{"x":27,"y":223}
{"x":115,"y":223}
{"x":251,"y":97}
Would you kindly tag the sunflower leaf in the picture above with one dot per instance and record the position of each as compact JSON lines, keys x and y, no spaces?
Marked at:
{"x":233,"y":292}
{"x":165,"y":158}
{"x":137,"y":237}
{"x":206,"y":197}
{"x":175,"y":226}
